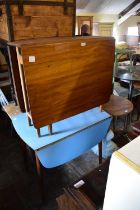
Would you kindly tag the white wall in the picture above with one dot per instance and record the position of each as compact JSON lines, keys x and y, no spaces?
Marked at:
{"x":123,"y":29}
{"x":130,"y":22}
{"x":119,"y":31}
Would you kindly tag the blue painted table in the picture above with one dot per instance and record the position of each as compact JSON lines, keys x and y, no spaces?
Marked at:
{"x":71,"y":137}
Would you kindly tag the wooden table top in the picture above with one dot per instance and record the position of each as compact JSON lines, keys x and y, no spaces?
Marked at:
{"x":66,"y":78}
{"x":118,"y":106}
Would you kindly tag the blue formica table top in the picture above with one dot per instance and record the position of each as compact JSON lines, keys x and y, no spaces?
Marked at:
{"x":61,"y":130}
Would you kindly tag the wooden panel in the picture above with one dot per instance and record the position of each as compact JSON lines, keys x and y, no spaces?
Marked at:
{"x":36,"y":10}
{"x":66,"y":78}
{"x":3,"y":24}
{"x":38,"y":20}
{"x":33,"y":27}
{"x":42,"y":21}
{"x":34,"y":19}
{"x":105,"y":29}
{"x":15,"y":77}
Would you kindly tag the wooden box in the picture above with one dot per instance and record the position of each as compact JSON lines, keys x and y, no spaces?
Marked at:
{"x":26,"y":19}
{"x":31,"y":19}
{"x":64,"y":77}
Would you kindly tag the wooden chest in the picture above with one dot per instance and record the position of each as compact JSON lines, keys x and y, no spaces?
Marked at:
{"x":63,"y":77}
{"x":31,"y":19}
{"x":26,"y":19}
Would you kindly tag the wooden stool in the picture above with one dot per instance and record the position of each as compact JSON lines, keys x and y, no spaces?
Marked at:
{"x":118,"y":106}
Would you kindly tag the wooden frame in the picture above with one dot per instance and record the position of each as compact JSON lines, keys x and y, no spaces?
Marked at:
{"x":81,"y":20}
{"x":127,"y":9}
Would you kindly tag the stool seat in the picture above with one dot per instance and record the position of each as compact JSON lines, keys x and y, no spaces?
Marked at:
{"x":118,"y":106}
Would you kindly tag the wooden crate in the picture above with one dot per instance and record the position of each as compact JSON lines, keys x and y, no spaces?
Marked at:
{"x":63,"y":77}
{"x":31,"y":19}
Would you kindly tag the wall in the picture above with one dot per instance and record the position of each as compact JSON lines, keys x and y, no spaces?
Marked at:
{"x":123,"y":29}
{"x":99,"y":18}
{"x":119,"y":31}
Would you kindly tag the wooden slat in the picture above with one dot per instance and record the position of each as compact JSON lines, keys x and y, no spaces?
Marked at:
{"x":127,"y":9}
{"x":49,"y":26}
{"x":22,"y":78}
{"x":33,"y":10}
{"x":66,"y":78}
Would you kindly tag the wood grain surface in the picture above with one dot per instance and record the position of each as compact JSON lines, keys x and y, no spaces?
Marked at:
{"x":67,"y":78}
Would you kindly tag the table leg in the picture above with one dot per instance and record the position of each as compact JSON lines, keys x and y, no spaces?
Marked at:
{"x":40,"y":178}
{"x":100,"y":152}
{"x":128,"y":118}
{"x":24,"y":152}
{"x":130,"y":90}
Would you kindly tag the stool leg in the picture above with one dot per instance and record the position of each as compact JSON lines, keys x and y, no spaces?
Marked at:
{"x":100,"y":152}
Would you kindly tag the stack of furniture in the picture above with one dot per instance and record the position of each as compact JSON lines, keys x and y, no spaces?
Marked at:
{"x":62,"y":77}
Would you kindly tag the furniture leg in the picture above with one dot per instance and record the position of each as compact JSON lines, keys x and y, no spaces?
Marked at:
{"x":50,"y":129}
{"x":130,"y":90}
{"x":40,"y":178}
{"x":114,"y":123}
{"x":38,"y":132}
{"x":29,"y":121}
{"x":100,"y":152}
{"x":24,"y":152}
